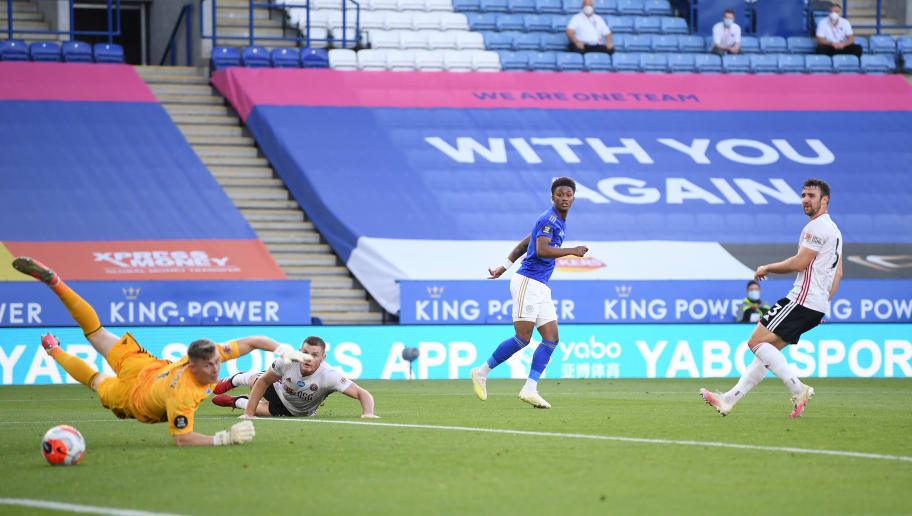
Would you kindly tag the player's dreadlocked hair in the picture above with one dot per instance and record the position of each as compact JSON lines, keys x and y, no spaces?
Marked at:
{"x":201,"y":349}
{"x":819,"y":183}
{"x":314,"y":341}
{"x":563,"y":181}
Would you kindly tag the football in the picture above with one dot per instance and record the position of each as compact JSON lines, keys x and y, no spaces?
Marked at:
{"x":63,"y":444}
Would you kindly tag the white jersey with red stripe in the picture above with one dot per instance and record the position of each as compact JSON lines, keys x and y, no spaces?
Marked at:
{"x":812,"y":286}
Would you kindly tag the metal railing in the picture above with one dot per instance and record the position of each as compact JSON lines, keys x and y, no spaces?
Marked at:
{"x":878,"y":25}
{"x":185,"y":16}
{"x":113,"y":8}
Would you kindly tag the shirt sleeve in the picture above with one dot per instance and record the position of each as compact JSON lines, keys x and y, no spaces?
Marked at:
{"x":278,"y":367}
{"x":180,"y":410}
{"x":543,"y":228}
{"x":821,"y":31}
{"x":813,"y":238}
{"x":228,"y":350}
{"x":605,"y":30}
{"x":717,"y":38}
{"x":573,"y":24}
{"x":339,"y":381}
{"x":848,"y":27}
{"x":736,"y":34}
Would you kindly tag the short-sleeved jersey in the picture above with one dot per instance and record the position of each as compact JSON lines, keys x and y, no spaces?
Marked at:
{"x":726,"y":37}
{"x":550,"y":225}
{"x":591,"y":30}
{"x":834,"y":33}
{"x":303,"y":395}
{"x":169,"y":392}
{"x":812,"y":286}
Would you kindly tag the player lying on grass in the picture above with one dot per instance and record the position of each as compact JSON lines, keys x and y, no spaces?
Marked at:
{"x":292,"y":389}
{"x":146,"y":388}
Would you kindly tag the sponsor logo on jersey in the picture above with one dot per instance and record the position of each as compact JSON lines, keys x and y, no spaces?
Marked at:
{"x":577,"y":264}
{"x":546,"y":230}
{"x":226,"y":348}
{"x":301,"y":383}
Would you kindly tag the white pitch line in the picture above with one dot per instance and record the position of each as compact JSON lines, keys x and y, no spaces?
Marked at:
{"x":610,"y":438}
{"x":71,"y":507}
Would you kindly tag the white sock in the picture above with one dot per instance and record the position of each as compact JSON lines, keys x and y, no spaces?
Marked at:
{"x":242,"y":378}
{"x":483,"y":370}
{"x":776,"y":362}
{"x":752,"y":376}
{"x":241,"y":403}
{"x":531,"y":385}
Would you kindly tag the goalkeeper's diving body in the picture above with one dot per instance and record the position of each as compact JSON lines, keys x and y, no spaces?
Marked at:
{"x":145,"y":387}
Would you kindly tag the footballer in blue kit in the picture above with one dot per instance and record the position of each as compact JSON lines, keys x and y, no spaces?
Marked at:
{"x":532,"y":304}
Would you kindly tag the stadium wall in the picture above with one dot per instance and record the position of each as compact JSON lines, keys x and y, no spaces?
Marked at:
{"x":447,"y":352}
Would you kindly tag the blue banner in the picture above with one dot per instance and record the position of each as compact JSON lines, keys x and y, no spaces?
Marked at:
{"x":154,"y":303}
{"x":584,"y":351}
{"x":582,"y":301}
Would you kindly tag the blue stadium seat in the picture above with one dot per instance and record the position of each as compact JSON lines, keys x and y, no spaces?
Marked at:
{"x":749,"y":45}
{"x":638,"y":43}
{"x":598,"y":62}
{"x":537,"y":22}
{"x":495,"y":6}
{"x":801,"y":45}
{"x":604,"y":7}
{"x":633,"y":7}
{"x":647,"y":24}
{"x":499,"y":40}
{"x":791,"y":63}
{"x":510,"y":22}
{"x":904,"y":45}
{"x":882,"y":44}
{"x":482,"y":21}
{"x":658,"y":8}
{"x":549,"y":7}
{"x":653,"y":63}
{"x":846,"y":63}
{"x":571,"y":6}
{"x":569,"y":62}
{"x":543,"y":61}
{"x":45,"y":51}
{"x":764,"y":63}
{"x":521,"y":6}
{"x":862,"y":42}
{"x":13,"y":50}
{"x":314,"y":58}
{"x":255,"y":57}
{"x":108,"y":53}
{"x":514,"y":61}
{"x":672,"y":25}
{"x":620,"y":42}
{"x":76,"y":52}
{"x":773,"y":45}
{"x":224,"y":57}
{"x":907,"y":62}
{"x":559,"y":22}
{"x":665,"y":43}
{"x":708,"y":63}
{"x":682,"y":63}
{"x":878,"y":63}
{"x":285,"y":58}
{"x":620,"y":24}
{"x":816,"y":63}
{"x":554,"y":41}
{"x":530,"y":41}
{"x":467,"y":5}
{"x":736,"y":63}
{"x":629,"y":62}
{"x":692,"y":43}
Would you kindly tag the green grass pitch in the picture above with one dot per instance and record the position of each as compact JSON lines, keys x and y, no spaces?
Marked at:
{"x":311,"y":468}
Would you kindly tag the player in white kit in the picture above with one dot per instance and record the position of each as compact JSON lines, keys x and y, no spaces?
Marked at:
{"x":819,"y":267}
{"x":292,"y":389}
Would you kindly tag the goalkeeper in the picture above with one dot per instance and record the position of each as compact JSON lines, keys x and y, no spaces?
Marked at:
{"x":146,"y":388}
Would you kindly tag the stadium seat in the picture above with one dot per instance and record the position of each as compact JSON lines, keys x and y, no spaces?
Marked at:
{"x":410,"y":5}
{"x":708,"y":63}
{"x":559,"y":22}
{"x":76,"y":52}
{"x":224,"y":57}
{"x":414,"y":39}
{"x":530,"y":41}
{"x":537,"y":22}
{"x":521,"y":6}
{"x":466,"y":40}
{"x":764,"y":63}
{"x":691,"y":43}
{"x":882,"y":44}
{"x":255,"y":57}
{"x":629,"y":62}
{"x":665,"y":43}
{"x":604,"y":7}
{"x":816,"y":63}
{"x":638,"y":43}
{"x":467,"y":5}
{"x":482,"y":21}
{"x":878,"y":63}
{"x":14,"y":50}
{"x":45,"y":51}
{"x":863,"y":43}
{"x":485,"y":61}
{"x":571,"y":6}
{"x":801,"y":45}
{"x":598,"y":62}
{"x":438,"y":5}
{"x":372,"y":60}
{"x":514,"y":61}
{"x":543,"y":61}
{"x":569,"y":62}
{"x":495,"y":6}
{"x":736,"y":63}
{"x":445,"y":40}
{"x":314,"y":58}
{"x":400,"y":60}
{"x":620,"y":42}
{"x":658,"y":8}
{"x":749,"y":45}
{"x":653,"y":63}
{"x":674,"y":25}
{"x":554,"y":42}
{"x":846,"y":63}
{"x":319,"y":36}
{"x":549,"y":7}
{"x":285,"y":58}
{"x":397,"y":21}
{"x":907,"y":62}
{"x":904,"y":45}
{"x":790,"y":63}
{"x":682,"y":63}
{"x":498,"y":40}
{"x":510,"y":22}
{"x":620,"y":24}
{"x":429,"y":60}
{"x":632,"y":7}
{"x":383,"y":39}
{"x":343,"y":59}
{"x":647,"y":24}
{"x":773,"y":45}
{"x":380,"y":5}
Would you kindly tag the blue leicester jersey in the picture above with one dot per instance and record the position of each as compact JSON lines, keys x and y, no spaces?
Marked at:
{"x":549,"y":224}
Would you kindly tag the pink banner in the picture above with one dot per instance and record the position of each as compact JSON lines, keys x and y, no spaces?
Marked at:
{"x":248,"y":87}
{"x":72,"y":81}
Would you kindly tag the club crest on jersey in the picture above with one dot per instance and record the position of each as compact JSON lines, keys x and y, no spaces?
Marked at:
{"x":314,"y":387}
{"x":180,"y":422}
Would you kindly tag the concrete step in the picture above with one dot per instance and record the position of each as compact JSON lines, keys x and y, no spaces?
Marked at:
{"x":198,"y":110}
{"x":184,"y":119}
{"x":262,"y":172}
{"x":20,"y":7}
{"x":298,"y":249}
{"x":224,"y":151}
{"x":323,"y":282}
{"x":227,"y":22}
{"x":349,"y":318}
{"x":167,"y":98}
{"x":256,"y":193}
{"x":340,"y":305}
{"x":259,"y":204}
{"x":253,"y":215}
{"x":269,"y":44}
{"x":174,"y":79}
{"x":211,"y":130}
{"x":271,"y":32}
{"x":313,"y":259}
{"x":31,"y":38}
{"x":21,"y":17}
{"x":250,"y":182}
{"x":184,"y":71}
{"x":289,"y":237}
{"x":195,"y":90}
{"x":238,"y":12}
{"x":210,"y":139}
{"x":336,"y":293}
{"x":298,"y":225}
{"x":332,"y":271}
{"x":26,"y":25}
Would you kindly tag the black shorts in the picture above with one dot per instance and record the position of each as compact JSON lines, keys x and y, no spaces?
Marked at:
{"x":788,"y":320}
{"x":276,"y":407}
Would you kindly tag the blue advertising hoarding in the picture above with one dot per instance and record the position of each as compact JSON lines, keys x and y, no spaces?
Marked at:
{"x":448,"y":352}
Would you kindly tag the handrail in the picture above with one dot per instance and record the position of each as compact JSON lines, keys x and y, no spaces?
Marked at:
{"x":113,"y":5}
{"x":186,"y":11}
{"x":878,"y":24}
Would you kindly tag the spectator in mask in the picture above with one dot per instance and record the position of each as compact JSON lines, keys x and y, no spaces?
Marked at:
{"x":726,"y":35}
{"x":834,"y":35}
{"x":752,"y":309}
{"x":588,"y":32}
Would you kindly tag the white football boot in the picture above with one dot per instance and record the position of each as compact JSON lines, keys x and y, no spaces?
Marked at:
{"x":801,"y":400}
{"x":533,"y":398}
{"x":716,"y":401}
{"x":479,"y":385}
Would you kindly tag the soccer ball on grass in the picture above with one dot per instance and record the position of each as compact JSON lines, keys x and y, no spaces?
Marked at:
{"x":63,"y":444}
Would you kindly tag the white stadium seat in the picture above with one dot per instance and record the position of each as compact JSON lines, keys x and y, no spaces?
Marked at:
{"x":442,"y":40}
{"x":413,"y":39}
{"x":318,"y":36}
{"x":389,"y":5}
{"x":426,"y":21}
{"x":485,"y":61}
{"x":397,"y":21}
{"x":466,"y":40}
{"x":343,"y":59}
{"x":457,"y":61}
{"x":384,"y":39}
{"x":438,"y":5}
{"x":410,"y":5}
{"x":372,"y":19}
{"x":400,"y":60}
{"x":454,"y":21}
{"x":372,"y":60}
{"x":429,"y":60}
{"x":325,"y":4}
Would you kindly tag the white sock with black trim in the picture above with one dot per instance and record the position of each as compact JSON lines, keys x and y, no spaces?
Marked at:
{"x":241,"y":402}
{"x":243,"y":378}
{"x":752,"y":376}
{"x":776,"y":362}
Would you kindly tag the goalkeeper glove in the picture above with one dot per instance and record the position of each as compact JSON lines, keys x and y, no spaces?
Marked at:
{"x":238,"y":433}
{"x":290,"y":354}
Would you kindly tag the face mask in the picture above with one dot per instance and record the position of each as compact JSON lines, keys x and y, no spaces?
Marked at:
{"x":834,"y":16}
{"x":588,"y":9}
{"x":728,"y":22}
{"x":753,"y":295}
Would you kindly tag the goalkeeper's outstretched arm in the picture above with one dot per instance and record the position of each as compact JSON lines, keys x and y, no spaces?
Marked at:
{"x":238,"y":433}
{"x":284,"y":351}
